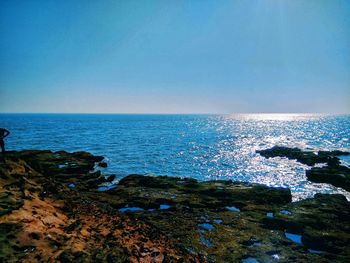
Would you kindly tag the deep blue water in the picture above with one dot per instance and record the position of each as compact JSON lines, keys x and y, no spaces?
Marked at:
{"x":200,"y":146}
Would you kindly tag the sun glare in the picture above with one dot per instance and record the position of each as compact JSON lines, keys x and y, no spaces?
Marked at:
{"x":274,"y":116}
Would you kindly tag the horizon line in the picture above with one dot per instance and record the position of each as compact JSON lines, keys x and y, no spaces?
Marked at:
{"x":174,"y":113}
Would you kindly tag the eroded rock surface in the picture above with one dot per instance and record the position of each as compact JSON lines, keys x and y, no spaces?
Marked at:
{"x":51,"y":210}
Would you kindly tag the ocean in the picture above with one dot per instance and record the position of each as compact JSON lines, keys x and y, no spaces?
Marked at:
{"x":205,"y":147}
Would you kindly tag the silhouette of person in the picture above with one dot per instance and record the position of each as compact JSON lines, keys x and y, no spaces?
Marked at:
{"x":3,"y":133}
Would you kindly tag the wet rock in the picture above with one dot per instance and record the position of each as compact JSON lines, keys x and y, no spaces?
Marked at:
{"x":305,"y":157}
{"x":333,"y":173}
{"x":283,"y":225}
{"x":253,"y":241}
{"x":325,"y":242}
{"x":325,"y":222}
{"x":336,"y":175}
{"x":110,"y":178}
{"x":102,"y":164}
{"x":95,"y":182}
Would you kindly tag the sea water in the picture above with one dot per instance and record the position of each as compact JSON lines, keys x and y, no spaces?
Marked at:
{"x":205,"y":147}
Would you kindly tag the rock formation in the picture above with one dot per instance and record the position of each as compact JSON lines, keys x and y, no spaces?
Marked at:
{"x":51,"y":210}
{"x":333,"y":173}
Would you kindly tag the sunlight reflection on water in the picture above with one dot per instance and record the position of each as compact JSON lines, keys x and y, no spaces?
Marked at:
{"x":201,"y":146}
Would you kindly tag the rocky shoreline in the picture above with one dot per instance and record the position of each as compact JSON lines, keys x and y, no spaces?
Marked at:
{"x":51,"y":210}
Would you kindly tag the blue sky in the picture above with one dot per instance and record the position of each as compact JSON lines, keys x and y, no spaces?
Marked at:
{"x":183,"y":56}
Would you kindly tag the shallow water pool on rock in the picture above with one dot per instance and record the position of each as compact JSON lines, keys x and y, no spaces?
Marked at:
{"x":107,"y":187}
{"x":233,"y":209}
{"x":269,"y":214}
{"x":131,"y":209}
{"x":294,"y":237}
{"x":205,"y":241}
{"x":206,"y":226}
{"x":313,"y":251}
{"x":250,"y":260}
{"x":286,"y":212}
{"x":164,"y":207}
{"x":217,"y":221}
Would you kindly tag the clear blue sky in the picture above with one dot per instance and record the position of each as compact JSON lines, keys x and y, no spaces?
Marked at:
{"x":179,"y":56}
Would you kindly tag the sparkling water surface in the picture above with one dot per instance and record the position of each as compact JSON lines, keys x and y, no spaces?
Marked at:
{"x":205,"y":147}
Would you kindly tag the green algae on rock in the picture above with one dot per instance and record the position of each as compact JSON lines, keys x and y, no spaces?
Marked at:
{"x":51,"y":210}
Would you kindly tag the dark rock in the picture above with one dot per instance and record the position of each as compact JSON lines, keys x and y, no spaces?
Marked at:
{"x":333,"y":153}
{"x":305,"y":157}
{"x":336,"y":175}
{"x":102,"y":164}
{"x":95,"y":182}
{"x":283,"y":225}
{"x":325,"y":242}
{"x":75,"y":225}
{"x":333,"y":173}
{"x":35,"y":235}
{"x":308,"y":158}
{"x":110,"y":178}
{"x":65,"y":257}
